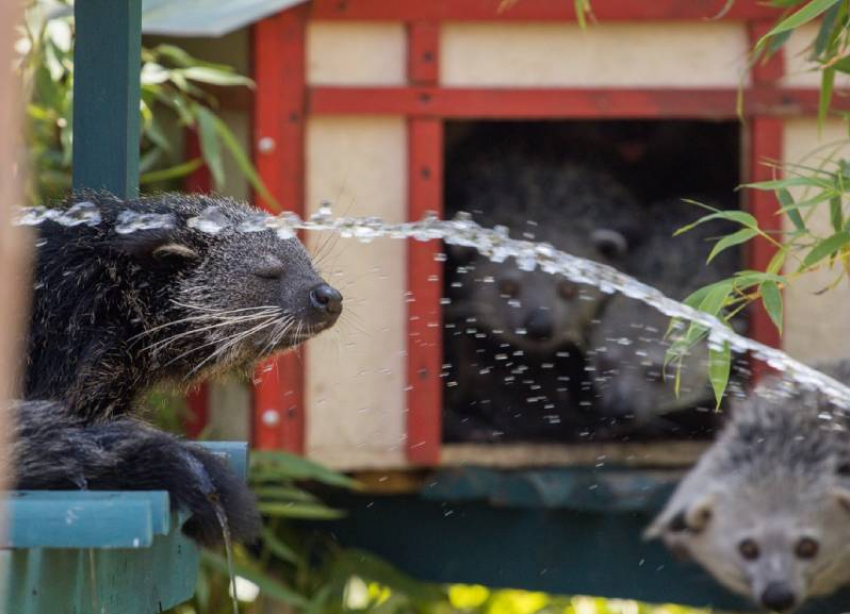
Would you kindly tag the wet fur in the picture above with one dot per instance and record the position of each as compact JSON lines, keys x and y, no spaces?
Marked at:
{"x":116,"y":314}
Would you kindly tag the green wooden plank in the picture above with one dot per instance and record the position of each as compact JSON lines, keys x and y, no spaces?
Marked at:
{"x":107,"y":60}
{"x":116,"y":581}
{"x":74,"y":519}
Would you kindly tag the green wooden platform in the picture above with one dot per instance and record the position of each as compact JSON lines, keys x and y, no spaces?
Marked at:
{"x":99,"y":552}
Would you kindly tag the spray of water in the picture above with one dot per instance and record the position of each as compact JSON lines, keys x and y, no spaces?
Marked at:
{"x":493,"y":243}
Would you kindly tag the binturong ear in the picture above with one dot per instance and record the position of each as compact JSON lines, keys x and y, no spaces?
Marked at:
{"x":693,"y":518}
{"x":158,"y":247}
{"x":609,"y":243}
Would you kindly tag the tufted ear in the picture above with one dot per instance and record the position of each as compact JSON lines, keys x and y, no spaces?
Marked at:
{"x":156,"y":247}
{"x":693,"y":518}
{"x":609,"y":243}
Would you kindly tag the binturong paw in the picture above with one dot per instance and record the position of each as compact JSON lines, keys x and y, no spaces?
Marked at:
{"x":224,"y":502}
{"x":220,"y":504}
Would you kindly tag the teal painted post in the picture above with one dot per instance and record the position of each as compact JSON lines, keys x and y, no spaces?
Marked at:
{"x":107,"y":58}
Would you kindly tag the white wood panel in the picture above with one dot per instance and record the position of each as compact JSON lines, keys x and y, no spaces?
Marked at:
{"x":608,"y":54}
{"x":356,"y":53}
{"x":817,"y":327}
{"x":356,"y":374}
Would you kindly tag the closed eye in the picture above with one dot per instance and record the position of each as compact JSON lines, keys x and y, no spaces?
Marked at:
{"x":272,"y":270}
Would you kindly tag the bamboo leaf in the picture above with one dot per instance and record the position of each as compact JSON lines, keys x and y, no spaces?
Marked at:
{"x":836,"y":215}
{"x":719,"y":365}
{"x":173,"y":172}
{"x":298,"y":468}
{"x":736,"y":238}
{"x":826,"y":86}
{"x":214,"y":76}
{"x":740,"y":217}
{"x":825,"y":248}
{"x":305,"y":511}
{"x":795,"y":20}
{"x":210,"y":144}
{"x":279,"y":548}
{"x":244,"y":164}
{"x":825,"y":31}
{"x":786,"y":200}
{"x":771,"y":297}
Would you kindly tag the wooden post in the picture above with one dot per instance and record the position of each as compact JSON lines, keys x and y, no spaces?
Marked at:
{"x":13,"y":245}
{"x":107,"y":58}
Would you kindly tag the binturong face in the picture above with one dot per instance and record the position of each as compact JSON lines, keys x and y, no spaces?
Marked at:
{"x":232,"y":297}
{"x":778,"y":543}
{"x":533,"y":310}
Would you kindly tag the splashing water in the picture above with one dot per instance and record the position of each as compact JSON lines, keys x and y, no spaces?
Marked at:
{"x":494,"y":244}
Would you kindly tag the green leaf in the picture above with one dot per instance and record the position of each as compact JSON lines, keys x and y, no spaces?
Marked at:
{"x":789,"y":182}
{"x":771,"y":297}
{"x":804,"y":15}
{"x":210,"y":144}
{"x":214,"y":76}
{"x":297,"y":468}
{"x":244,"y":164}
{"x":836,"y":215}
{"x":786,"y":200}
{"x":279,"y":548}
{"x":741,"y":217}
{"x":827,"y":84}
{"x":736,"y":238}
{"x":777,"y":261}
{"x":719,"y":365}
{"x":269,"y":586}
{"x":172,"y":172}
{"x":825,"y":32}
{"x":304,"y":511}
{"x":715,"y":298}
{"x":825,"y":248}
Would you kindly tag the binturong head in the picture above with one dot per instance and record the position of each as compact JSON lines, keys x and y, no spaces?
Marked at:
{"x":170,"y":288}
{"x":767,"y":509}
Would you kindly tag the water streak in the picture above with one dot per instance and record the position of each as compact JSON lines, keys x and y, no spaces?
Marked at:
{"x":495,"y":244}
{"x":228,"y":548}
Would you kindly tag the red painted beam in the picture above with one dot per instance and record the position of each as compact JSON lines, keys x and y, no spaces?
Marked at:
{"x":424,"y":271}
{"x":555,"y":103}
{"x":279,"y":71}
{"x":765,"y":148}
{"x":536,"y":10}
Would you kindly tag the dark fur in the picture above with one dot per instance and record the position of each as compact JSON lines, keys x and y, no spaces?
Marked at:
{"x":115,"y":314}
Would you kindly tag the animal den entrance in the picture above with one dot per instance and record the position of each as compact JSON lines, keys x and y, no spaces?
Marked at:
{"x":533,"y":358}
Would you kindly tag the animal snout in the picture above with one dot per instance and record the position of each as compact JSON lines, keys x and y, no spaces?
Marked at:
{"x":539,"y":326}
{"x":778,"y":597}
{"x":326,"y":299}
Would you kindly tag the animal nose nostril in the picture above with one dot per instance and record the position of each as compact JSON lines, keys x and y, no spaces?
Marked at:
{"x":325,"y":298}
{"x":778,"y":597}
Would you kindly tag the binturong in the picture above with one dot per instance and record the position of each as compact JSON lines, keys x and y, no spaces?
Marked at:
{"x":767,"y":509}
{"x":159,"y":290}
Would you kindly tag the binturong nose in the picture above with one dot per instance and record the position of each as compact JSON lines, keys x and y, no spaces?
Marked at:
{"x":326,"y":299}
{"x":539,"y":325}
{"x":778,"y":597}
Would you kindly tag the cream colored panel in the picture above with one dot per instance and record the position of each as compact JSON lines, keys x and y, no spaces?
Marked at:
{"x":817,"y":327}
{"x":607,"y":54}
{"x":356,"y":373}
{"x":356,"y":53}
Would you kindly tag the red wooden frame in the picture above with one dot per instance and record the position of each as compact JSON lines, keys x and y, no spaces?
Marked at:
{"x":536,"y":10}
{"x":279,"y":71}
{"x":283,"y":100}
{"x":424,"y":272}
